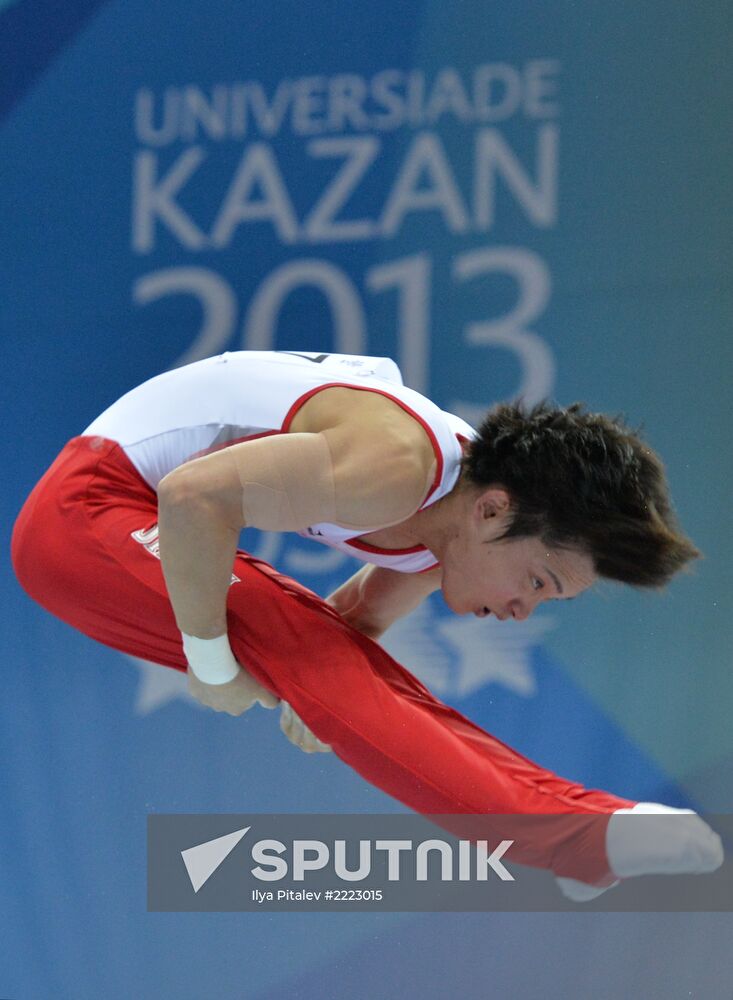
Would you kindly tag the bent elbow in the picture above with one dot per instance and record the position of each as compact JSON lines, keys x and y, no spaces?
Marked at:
{"x":173,"y":488}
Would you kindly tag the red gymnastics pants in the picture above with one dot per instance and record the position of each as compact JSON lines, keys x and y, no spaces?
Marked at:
{"x":74,"y":553}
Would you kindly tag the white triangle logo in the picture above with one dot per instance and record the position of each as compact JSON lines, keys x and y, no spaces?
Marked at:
{"x":202,"y":860}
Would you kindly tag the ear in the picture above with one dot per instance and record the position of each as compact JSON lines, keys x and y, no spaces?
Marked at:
{"x":493,"y":502}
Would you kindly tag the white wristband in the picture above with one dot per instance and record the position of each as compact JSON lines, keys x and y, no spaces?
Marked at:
{"x":211,"y":660}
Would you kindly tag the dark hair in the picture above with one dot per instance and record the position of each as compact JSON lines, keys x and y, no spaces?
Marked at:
{"x":582,"y":480}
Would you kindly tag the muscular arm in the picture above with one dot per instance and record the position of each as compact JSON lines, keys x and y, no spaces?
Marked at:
{"x":200,"y":509}
{"x":324,"y":472}
{"x":375,"y":597}
{"x":197,"y":550}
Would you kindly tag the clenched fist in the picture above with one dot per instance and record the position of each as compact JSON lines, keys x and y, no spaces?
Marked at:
{"x":240,"y":694}
{"x":298,"y":733}
{"x":234,"y":697}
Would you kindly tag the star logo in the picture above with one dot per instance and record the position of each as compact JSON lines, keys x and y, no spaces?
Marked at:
{"x":455,"y":657}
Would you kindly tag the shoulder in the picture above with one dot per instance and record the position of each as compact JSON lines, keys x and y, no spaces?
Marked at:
{"x":383,"y":458}
{"x":366,"y":420}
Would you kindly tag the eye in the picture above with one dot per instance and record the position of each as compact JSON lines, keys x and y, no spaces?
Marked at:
{"x":537,"y":584}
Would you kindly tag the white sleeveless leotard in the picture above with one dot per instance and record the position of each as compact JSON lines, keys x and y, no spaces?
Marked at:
{"x":240,"y":395}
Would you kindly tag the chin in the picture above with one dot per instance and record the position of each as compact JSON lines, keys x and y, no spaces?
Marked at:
{"x":456,"y":608}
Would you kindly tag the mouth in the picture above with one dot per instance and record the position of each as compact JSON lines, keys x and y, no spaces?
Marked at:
{"x":482,"y":612}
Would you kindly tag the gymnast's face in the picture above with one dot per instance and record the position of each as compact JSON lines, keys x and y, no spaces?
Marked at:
{"x":508,"y":577}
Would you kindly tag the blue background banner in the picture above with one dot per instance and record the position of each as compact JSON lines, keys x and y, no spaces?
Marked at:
{"x":530,"y":199}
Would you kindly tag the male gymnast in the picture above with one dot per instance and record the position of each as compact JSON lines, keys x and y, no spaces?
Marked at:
{"x":131,"y":536}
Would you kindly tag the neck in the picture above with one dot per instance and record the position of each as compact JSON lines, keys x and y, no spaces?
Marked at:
{"x":434,"y":526}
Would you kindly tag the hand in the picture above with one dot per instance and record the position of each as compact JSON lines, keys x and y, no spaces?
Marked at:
{"x":298,"y":733}
{"x":234,"y":697}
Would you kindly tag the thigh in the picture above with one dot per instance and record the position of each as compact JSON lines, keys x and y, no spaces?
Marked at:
{"x":80,"y":549}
